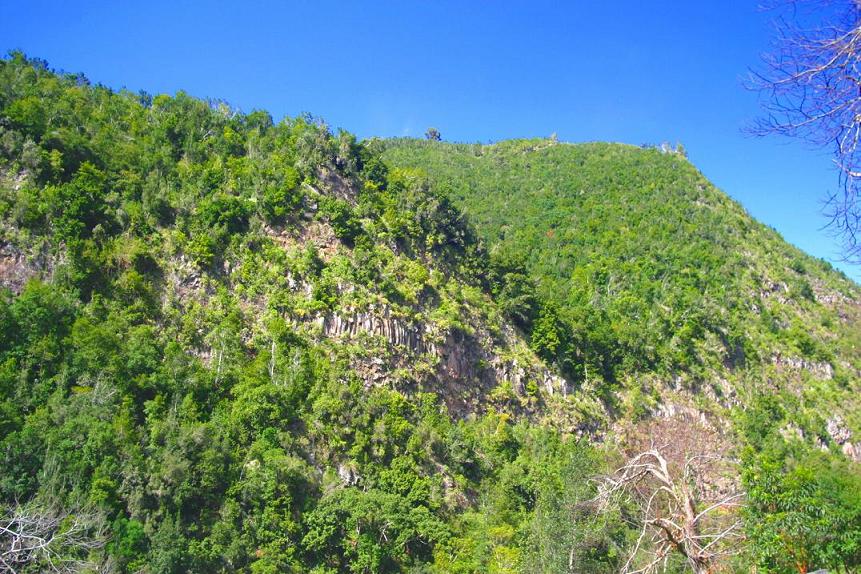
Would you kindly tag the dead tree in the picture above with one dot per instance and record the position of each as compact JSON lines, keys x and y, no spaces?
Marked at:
{"x":811,"y":81}
{"x":675,"y":513}
{"x":43,"y":537}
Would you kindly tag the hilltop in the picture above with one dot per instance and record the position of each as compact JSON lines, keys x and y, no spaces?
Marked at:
{"x":664,"y":288}
{"x":230,"y":344}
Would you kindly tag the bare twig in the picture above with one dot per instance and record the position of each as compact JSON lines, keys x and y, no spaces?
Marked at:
{"x":812,"y":86}
{"x":671,"y":520}
{"x":44,"y":537}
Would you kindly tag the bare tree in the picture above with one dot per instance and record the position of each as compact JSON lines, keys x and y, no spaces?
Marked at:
{"x":812,"y":84}
{"x":36,"y":536}
{"x":675,"y":514}
{"x":683,"y":496}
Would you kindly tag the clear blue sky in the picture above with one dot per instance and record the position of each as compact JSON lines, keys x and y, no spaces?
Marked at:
{"x":625,"y":71}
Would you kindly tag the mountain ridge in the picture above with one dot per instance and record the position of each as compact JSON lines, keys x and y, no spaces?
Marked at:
{"x":690,"y":250}
{"x":234,"y":345}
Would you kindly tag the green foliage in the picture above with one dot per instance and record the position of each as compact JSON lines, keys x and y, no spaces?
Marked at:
{"x":547,"y":339}
{"x":433,"y":134}
{"x":806,"y":516}
{"x":171,"y":370}
{"x":29,"y":115}
{"x":79,"y":205}
{"x":513,"y":288}
{"x":129,"y":544}
{"x":625,"y":264}
{"x":168,"y":375}
{"x":803,"y":512}
{"x":371,"y":531}
{"x":641,"y":256}
{"x":282,"y":200}
{"x":340,"y":216}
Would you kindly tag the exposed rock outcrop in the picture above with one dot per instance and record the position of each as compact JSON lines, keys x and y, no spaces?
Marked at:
{"x":396,"y":332}
{"x":467,"y":366}
{"x":842,"y":436}
{"x":334,"y":183}
{"x":16,"y":268}
{"x":819,"y":369}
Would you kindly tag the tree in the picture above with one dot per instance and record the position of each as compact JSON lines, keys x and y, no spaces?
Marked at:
{"x":812,"y":84}
{"x":47,"y":539}
{"x":371,"y":531}
{"x":674,"y":514}
{"x":804,"y":514}
{"x":433,"y":135}
{"x":682,"y":496}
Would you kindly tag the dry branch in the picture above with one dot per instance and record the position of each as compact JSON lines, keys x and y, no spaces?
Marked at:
{"x":675,"y":515}
{"x":47,"y":538}
{"x":812,"y":86}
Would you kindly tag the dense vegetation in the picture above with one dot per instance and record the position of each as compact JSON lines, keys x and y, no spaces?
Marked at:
{"x":646,"y":267}
{"x":660,"y":288}
{"x":234,"y":345}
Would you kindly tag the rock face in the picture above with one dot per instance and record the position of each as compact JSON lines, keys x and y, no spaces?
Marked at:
{"x":16,"y":269}
{"x":466,"y":366}
{"x":820,"y":370}
{"x":843,"y":437}
{"x":396,"y":332}
{"x":778,"y":290}
{"x":348,"y":475}
{"x":337,"y":185}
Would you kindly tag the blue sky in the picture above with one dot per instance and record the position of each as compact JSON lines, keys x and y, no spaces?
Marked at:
{"x":628,"y":71}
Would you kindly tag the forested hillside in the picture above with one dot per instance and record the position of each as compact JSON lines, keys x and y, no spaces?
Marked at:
{"x":664,"y":297}
{"x":653,"y":276}
{"x":234,"y":345}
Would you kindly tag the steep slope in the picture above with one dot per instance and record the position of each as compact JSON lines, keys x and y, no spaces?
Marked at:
{"x":229,"y":345}
{"x":664,"y":284}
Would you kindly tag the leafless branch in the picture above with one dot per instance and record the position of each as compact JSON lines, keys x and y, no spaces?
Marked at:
{"x":675,"y":515}
{"x":43,"y":537}
{"x":811,"y":83}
